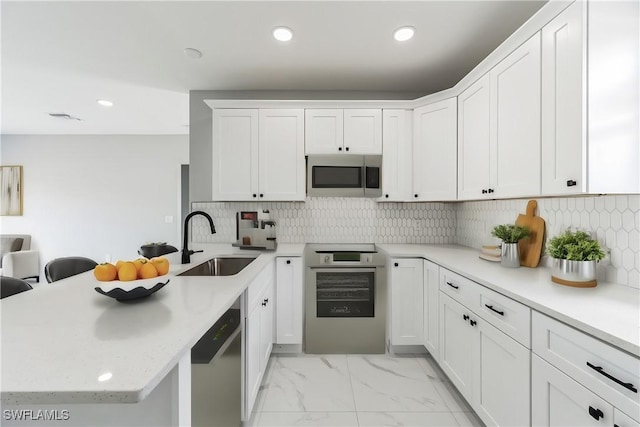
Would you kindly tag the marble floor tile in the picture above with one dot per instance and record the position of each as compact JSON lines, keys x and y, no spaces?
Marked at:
{"x":451,"y":396}
{"x":309,"y":384}
{"x":468,"y":419}
{"x":408,"y":419}
{"x":323,"y":419}
{"x":392,"y":384}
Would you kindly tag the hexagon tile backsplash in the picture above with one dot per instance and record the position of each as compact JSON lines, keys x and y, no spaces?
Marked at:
{"x":613,"y":220}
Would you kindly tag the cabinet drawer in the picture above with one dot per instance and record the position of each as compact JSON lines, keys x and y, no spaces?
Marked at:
{"x":460,"y":288}
{"x":257,"y":286}
{"x":511,"y":317}
{"x":607,"y":371}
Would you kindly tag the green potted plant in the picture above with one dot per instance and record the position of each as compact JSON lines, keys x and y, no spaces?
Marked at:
{"x":510,"y":234}
{"x":575,"y":254}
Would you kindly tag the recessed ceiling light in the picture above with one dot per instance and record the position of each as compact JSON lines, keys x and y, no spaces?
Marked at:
{"x":282,"y":34}
{"x":192,"y":53}
{"x":403,"y":34}
{"x":105,"y":103}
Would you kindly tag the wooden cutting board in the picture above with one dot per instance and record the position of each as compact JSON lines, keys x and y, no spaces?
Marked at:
{"x":531,"y":247}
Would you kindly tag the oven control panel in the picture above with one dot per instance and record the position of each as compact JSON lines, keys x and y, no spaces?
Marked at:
{"x":347,"y":258}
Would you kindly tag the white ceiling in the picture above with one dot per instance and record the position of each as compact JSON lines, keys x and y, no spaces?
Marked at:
{"x":60,"y":57}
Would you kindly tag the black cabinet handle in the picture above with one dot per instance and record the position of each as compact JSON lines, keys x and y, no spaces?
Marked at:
{"x":288,"y":261}
{"x":601,"y":371}
{"x":255,"y":195}
{"x":395,"y":264}
{"x":265,"y":301}
{"x":473,"y":323}
{"x":571,"y":183}
{"x":415,"y":195}
{"x":465,"y":317}
{"x":490,"y":190}
{"x":595,"y":413}
{"x":452,"y":285}
{"x":339,"y":148}
{"x":261,"y":195}
{"x":346,"y":148}
{"x":484,"y":191}
{"x":490,"y":307}
{"x":386,"y":195}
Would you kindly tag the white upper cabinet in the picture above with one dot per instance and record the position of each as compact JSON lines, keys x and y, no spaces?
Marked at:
{"x":258,"y":155}
{"x":348,"y":131}
{"x":235,"y":148}
{"x":434,"y":151}
{"x":281,"y":162}
{"x":515,"y":128}
{"x":474,"y":153}
{"x":499,"y":128}
{"x":323,"y":131}
{"x":591,"y":99}
{"x":363,"y":131}
{"x":396,"y":155}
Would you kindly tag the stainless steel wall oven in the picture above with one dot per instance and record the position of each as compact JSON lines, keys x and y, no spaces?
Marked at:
{"x":345,"y":299}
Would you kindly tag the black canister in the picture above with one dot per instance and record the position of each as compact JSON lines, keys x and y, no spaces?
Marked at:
{"x":152,"y":250}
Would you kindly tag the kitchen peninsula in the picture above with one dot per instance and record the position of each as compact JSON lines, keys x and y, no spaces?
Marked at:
{"x":66,"y":347}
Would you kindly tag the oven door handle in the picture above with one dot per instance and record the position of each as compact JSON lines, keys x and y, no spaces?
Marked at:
{"x":345,"y":269}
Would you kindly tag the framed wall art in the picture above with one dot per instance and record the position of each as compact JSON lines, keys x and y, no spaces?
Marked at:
{"x":11,"y":190}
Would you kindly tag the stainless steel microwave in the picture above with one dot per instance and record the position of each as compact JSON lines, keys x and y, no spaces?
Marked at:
{"x":345,"y":175}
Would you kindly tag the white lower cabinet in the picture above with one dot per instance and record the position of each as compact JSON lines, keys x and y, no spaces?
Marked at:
{"x":458,"y":345}
{"x":489,"y":368}
{"x":431,"y":304}
{"x":558,"y":400}
{"x":258,"y":334}
{"x":406,"y":295}
{"x":289,"y":302}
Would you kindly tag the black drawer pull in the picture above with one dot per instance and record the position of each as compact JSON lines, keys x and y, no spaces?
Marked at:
{"x":490,"y":307}
{"x":484,"y":191}
{"x":395,"y":264}
{"x":465,"y":317}
{"x":595,"y":413}
{"x":571,"y":183}
{"x":473,"y":323}
{"x":288,"y":261}
{"x":265,"y":301}
{"x":490,"y":190}
{"x":601,"y":371}
{"x":452,"y":285}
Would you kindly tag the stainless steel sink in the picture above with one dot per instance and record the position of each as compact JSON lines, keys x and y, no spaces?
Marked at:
{"x":219,"y":266}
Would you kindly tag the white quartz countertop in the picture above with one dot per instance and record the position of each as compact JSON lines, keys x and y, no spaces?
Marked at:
{"x":610,"y":312}
{"x":58,"y":339}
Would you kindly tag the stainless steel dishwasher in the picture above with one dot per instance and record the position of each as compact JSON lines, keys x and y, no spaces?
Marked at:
{"x":216,"y":373}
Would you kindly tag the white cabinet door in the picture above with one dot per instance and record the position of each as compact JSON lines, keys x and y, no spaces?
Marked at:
{"x":363,"y":131}
{"x":434,"y":151}
{"x":458,"y":345}
{"x":289,"y":301}
{"x":252,"y":358}
{"x":474,"y":152}
{"x":235,"y":154}
{"x":515,"y":128}
{"x":563,"y":109}
{"x":431,"y":304}
{"x":281,"y":155}
{"x":396,"y":155}
{"x":502,"y":394}
{"x":558,"y":400}
{"x":266,"y":326}
{"x":323,"y":131}
{"x":406,"y":301}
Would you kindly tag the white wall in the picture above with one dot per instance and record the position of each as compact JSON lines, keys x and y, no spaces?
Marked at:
{"x":93,"y":195}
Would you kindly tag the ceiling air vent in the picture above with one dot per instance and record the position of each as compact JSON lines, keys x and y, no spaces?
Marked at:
{"x":64,"y":116}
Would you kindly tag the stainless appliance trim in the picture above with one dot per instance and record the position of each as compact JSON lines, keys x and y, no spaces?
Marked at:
{"x":370,"y":181}
{"x":345,"y":334}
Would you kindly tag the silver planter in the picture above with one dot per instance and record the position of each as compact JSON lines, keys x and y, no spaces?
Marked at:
{"x":510,"y":256}
{"x":574,"y":271}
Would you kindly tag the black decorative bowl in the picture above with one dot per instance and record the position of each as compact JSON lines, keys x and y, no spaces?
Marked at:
{"x":136,"y":293}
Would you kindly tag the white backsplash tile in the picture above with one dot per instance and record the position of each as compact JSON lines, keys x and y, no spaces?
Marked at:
{"x":337,"y":220}
{"x":613,"y":220}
